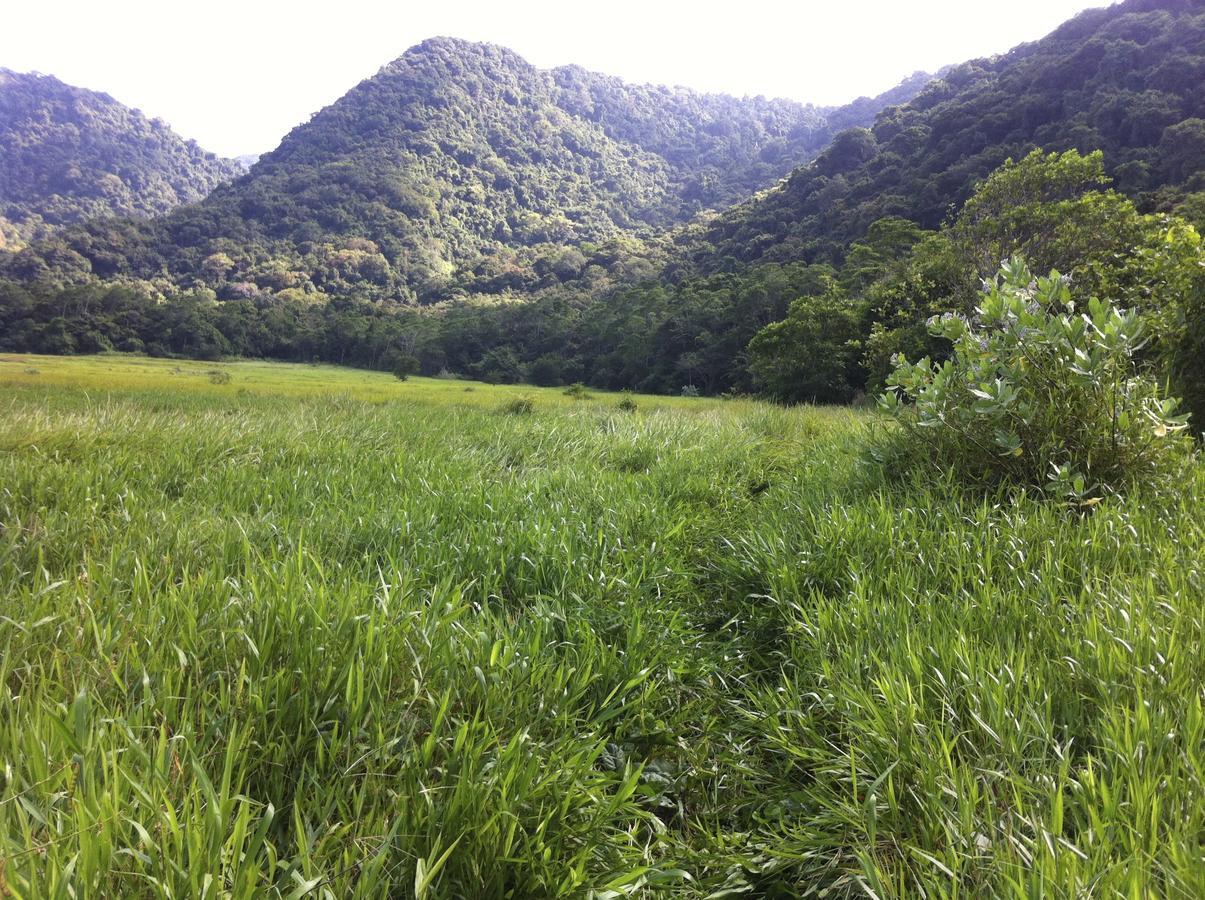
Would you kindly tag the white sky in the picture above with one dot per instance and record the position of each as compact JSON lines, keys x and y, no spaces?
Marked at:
{"x":238,"y":74}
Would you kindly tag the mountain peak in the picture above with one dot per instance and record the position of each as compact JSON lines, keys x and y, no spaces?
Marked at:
{"x":70,"y":153}
{"x":448,"y":51}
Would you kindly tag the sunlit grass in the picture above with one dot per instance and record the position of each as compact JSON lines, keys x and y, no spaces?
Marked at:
{"x":318,"y":632}
{"x":242,"y":378}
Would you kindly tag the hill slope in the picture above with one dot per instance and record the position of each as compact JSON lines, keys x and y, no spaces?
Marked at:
{"x":460,"y":166}
{"x":1128,"y":80}
{"x":67,"y":154}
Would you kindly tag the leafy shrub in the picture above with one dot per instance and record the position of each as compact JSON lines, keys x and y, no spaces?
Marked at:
{"x":1038,"y":394}
{"x":577,"y":391}
{"x":1171,"y":267}
{"x":519,"y":406}
{"x":627,"y":402}
{"x":217,"y":376}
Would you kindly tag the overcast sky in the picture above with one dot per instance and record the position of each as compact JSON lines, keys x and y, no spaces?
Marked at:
{"x":238,"y":74}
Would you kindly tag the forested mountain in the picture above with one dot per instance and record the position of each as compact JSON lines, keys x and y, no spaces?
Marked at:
{"x":1128,"y":80}
{"x":68,"y":154}
{"x":537,"y":219}
{"x":458,"y":168}
{"x":852,"y":234}
{"x":719,"y":149}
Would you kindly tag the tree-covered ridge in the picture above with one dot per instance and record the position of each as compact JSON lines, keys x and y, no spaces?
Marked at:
{"x":1128,"y":80}
{"x":460,"y":168}
{"x":68,"y":154}
{"x":720,"y":149}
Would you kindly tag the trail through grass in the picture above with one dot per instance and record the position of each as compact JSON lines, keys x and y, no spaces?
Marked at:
{"x":312,"y":632}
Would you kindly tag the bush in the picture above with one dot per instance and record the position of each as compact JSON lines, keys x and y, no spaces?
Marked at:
{"x":520,"y":406}
{"x":217,"y":376}
{"x":577,"y":391}
{"x":627,"y":403}
{"x":1037,"y":394}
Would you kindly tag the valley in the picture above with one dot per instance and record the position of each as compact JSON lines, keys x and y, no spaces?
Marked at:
{"x":523,"y":481}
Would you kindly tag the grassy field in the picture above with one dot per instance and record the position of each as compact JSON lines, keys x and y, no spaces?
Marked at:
{"x":296,"y":631}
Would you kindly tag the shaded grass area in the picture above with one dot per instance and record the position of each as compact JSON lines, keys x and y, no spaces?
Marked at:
{"x":339,"y":635}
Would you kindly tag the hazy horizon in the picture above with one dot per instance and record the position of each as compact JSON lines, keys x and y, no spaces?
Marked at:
{"x":238,"y":78}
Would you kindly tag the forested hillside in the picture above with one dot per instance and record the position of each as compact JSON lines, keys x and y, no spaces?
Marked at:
{"x":464,"y":212}
{"x":460,"y":167}
{"x":1128,"y":80}
{"x":68,"y":154}
{"x":719,"y":149}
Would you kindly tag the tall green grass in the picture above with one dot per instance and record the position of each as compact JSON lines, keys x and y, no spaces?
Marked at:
{"x":316,"y":633}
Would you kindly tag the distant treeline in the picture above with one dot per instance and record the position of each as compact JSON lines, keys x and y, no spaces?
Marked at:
{"x":647,"y":338}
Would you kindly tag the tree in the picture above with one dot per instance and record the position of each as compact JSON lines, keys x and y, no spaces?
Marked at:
{"x":848,"y":150}
{"x":812,"y":355}
{"x":930,"y":281}
{"x":501,"y":366}
{"x":402,"y":364}
{"x":1048,"y":207}
{"x":546,"y":370}
{"x":1182,"y":151}
{"x":887,"y":241}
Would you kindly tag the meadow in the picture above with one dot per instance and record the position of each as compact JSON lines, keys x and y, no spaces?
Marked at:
{"x":276,"y":630}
